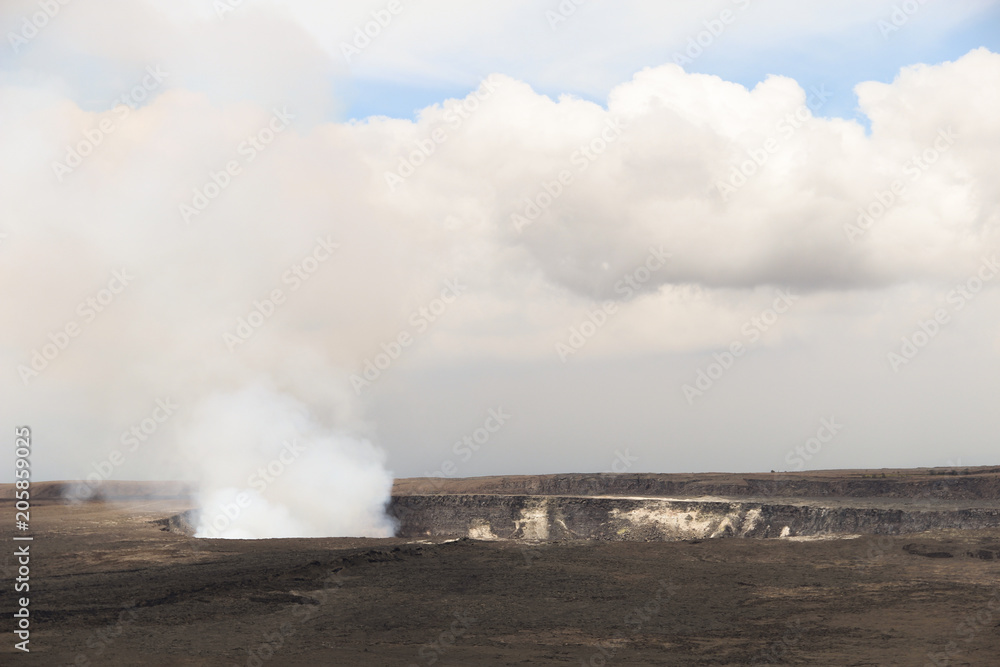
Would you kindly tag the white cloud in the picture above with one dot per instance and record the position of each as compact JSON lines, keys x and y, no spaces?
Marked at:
{"x":654,"y":183}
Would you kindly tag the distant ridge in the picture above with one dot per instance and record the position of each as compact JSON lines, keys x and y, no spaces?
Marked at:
{"x":961,"y":483}
{"x":107,"y":491}
{"x":948,"y":483}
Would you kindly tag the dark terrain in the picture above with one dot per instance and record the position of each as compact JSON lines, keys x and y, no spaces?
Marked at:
{"x":111,"y":585}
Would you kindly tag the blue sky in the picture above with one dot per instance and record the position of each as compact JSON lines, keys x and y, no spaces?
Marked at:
{"x":838,"y":61}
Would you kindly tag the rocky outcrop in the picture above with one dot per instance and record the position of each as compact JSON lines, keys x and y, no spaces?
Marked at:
{"x":483,"y":516}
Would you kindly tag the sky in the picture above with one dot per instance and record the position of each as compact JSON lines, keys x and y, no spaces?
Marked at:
{"x":481,"y":239}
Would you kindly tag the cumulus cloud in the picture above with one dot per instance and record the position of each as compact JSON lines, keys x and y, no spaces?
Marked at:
{"x":745,"y":187}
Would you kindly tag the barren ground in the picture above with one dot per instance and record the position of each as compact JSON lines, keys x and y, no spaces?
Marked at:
{"x":110,"y":587}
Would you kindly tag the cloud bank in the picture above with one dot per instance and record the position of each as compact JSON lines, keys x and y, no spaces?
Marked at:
{"x":185,"y":223}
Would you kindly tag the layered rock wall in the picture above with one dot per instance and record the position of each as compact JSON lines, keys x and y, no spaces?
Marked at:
{"x":483,"y":516}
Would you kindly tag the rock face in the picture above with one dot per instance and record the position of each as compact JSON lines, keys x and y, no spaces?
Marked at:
{"x":657,"y":507}
{"x":522,"y":517}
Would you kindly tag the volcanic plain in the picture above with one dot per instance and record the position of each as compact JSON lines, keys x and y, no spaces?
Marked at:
{"x":859,"y":567}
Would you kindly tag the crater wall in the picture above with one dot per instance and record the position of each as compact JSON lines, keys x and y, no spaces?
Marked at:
{"x":514,"y":517}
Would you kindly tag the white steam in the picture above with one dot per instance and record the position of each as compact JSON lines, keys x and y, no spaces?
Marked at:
{"x":269,"y":469}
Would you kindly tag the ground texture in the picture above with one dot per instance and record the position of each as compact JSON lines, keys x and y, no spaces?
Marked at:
{"x":110,"y":586}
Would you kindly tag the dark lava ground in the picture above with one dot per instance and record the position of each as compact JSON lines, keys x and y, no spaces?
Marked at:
{"x":110,"y":587}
